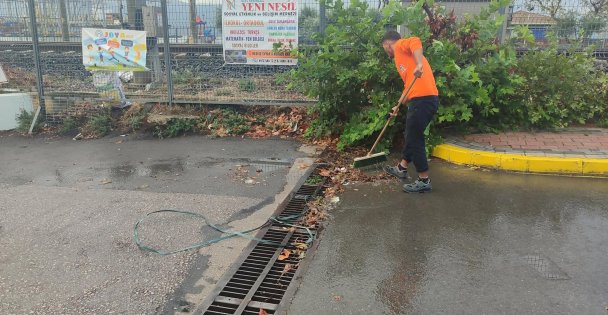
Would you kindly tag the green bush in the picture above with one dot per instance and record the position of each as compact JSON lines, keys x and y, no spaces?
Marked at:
{"x":137,"y":121}
{"x":70,"y":124}
{"x":24,"y":121}
{"x":357,"y":84}
{"x":100,"y":124}
{"x":353,"y":79}
{"x":228,"y":122}
{"x":482,"y":85}
{"x":561,"y":88}
{"x":176,"y":127}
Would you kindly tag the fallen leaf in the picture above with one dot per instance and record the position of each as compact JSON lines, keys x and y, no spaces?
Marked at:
{"x":303,"y":166}
{"x":338,"y":298}
{"x":285,"y":254}
{"x":119,"y":142}
{"x":302,"y":246}
{"x":287,"y":268}
{"x":262,"y":312}
{"x":106,"y":181}
{"x":325,"y":173}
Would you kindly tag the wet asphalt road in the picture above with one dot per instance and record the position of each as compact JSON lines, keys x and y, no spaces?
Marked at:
{"x":480,"y":243}
{"x":67,"y":210}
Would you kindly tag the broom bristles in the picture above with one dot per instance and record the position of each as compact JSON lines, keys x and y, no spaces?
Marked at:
{"x":369,"y":160}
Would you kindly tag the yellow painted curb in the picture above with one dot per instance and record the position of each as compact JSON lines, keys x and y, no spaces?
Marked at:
{"x":521,"y":162}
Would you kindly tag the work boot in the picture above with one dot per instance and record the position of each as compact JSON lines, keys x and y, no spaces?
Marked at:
{"x":396,"y":171}
{"x":418,"y":186}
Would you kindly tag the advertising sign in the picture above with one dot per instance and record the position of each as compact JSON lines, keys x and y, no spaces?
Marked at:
{"x":260,"y":32}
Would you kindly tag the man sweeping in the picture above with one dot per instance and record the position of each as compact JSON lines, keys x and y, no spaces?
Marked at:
{"x":423,"y":102}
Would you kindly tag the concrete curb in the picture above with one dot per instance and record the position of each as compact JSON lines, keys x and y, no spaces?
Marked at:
{"x":521,"y":162}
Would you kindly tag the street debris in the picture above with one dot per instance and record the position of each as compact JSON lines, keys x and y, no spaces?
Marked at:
{"x":284,"y":254}
{"x":286,"y":269}
{"x":301,"y":246}
{"x":240,"y":173}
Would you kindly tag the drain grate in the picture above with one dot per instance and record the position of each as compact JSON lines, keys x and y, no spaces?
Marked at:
{"x":546,"y":267}
{"x":261,"y":280}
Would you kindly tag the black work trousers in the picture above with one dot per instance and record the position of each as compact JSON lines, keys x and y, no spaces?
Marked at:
{"x":420,"y":112}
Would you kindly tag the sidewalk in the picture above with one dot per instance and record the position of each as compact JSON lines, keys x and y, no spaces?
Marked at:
{"x":577,"y":151}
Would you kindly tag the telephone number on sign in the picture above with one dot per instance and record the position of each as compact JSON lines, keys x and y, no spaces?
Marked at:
{"x":276,"y":61}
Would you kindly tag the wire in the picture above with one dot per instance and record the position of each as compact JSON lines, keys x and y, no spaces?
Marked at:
{"x":244,"y":234}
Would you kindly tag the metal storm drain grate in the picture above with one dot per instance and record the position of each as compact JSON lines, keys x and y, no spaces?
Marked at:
{"x":546,"y":267}
{"x":262,"y":280}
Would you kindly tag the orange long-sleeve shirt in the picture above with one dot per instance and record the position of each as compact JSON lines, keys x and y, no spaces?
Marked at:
{"x":405,"y":62}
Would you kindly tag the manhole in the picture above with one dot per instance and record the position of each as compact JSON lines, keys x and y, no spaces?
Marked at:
{"x":546,"y":267}
{"x":261,"y":280}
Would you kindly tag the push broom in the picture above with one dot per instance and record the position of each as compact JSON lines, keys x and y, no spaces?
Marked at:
{"x":375,"y":158}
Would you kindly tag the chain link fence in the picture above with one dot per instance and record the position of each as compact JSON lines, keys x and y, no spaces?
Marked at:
{"x":185,"y":53}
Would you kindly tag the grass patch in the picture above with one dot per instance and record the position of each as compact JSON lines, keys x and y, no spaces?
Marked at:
{"x":247,"y":85}
{"x":188,"y":77}
{"x":314,"y":180}
{"x":223,"y":92}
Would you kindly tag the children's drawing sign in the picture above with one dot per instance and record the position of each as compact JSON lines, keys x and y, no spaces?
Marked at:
{"x":260,"y":32}
{"x":113,"y":50}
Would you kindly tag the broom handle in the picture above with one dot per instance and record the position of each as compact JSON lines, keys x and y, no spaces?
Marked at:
{"x":401,"y":100}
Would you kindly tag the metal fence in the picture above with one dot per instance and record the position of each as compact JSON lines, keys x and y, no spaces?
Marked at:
{"x":40,"y":47}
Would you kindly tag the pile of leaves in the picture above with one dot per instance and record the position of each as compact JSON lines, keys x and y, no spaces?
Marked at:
{"x":226,"y":122}
{"x":285,"y":123}
{"x":338,"y":167}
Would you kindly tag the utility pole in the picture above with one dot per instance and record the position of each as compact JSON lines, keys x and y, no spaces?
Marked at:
{"x":36,"y":47}
{"x":193,"y":26}
{"x":322,"y":17}
{"x":65,"y":27}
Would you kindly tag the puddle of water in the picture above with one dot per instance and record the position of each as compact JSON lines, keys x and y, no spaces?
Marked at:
{"x":124,"y":172}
